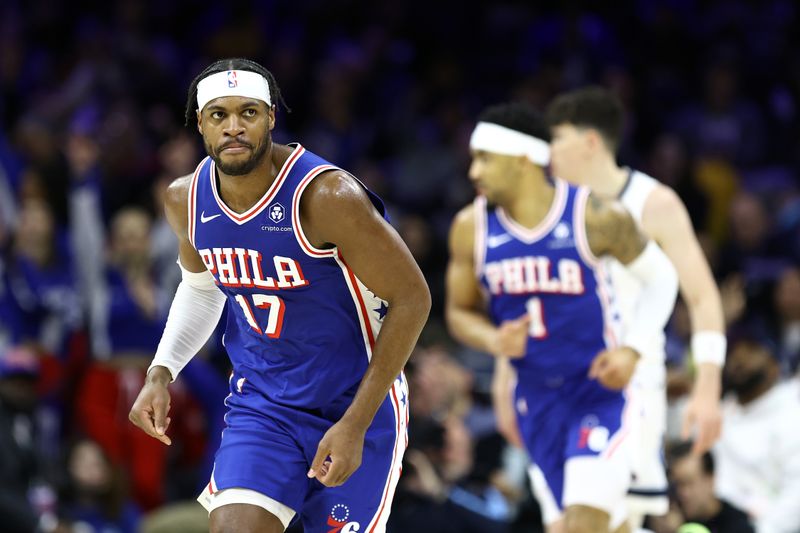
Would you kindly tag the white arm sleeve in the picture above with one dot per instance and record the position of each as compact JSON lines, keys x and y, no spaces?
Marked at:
{"x":656,"y":299}
{"x":194,"y":314}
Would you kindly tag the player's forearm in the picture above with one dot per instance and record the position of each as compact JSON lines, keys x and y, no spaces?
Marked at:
{"x":656,"y":300}
{"x":192,"y":318}
{"x":398,"y":336}
{"x":708,"y":375}
{"x":708,"y":331}
{"x":708,"y":379}
{"x":503,"y":383}
{"x":471,"y":328}
{"x":705,"y":308}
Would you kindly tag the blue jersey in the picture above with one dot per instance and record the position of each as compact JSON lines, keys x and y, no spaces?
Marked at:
{"x":38,"y":303}
{"x":300,"y":323}
{"x":550,"y":273}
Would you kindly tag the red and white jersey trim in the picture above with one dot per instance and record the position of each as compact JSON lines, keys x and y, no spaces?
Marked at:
{"x":379,"y":520}
{"x":619,"y":438}
{"x":364,"y":301}
{"x":579,"y":224}
{"x":481,"y":230}
{"x":304,"y":243}
{"x":192,"y":201}
{"x":531,"y":235}
{"x":247,"y":216}
{"x":613,"y":324}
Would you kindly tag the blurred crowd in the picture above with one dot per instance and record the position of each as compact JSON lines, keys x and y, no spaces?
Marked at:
{"x":91,"y":132}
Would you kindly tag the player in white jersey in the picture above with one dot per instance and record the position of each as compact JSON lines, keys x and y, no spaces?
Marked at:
{"x":586,"y":125}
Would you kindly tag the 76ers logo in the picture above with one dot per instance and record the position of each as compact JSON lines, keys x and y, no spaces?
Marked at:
{"x":340,"y":513}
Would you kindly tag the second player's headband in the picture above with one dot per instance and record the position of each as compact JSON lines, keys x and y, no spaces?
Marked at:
{"x":233,"y":83}
{"x":498,"y":139}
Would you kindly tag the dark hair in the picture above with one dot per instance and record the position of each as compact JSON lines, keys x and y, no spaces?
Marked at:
{"x":591,"y":107}
{"x":427,"y":435}
{"x":753,"y":332}
{"x":233,"y":63}
{"x":684,"y":449}
{"x":112,"y":499}
{"x":518,"y":116}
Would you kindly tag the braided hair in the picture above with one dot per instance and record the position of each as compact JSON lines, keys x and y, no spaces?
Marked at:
{"x":234,"y":63}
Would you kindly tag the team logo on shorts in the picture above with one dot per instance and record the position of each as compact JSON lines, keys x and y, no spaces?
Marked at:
{"x":232,"y":81}
{"x":592,"y":435}
{"x":276,"y":212}
{"x":338,"y":520}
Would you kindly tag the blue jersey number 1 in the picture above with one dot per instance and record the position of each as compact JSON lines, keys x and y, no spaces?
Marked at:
{"x":537,"y":329}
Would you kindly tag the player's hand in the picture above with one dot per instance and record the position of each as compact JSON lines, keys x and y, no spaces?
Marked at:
{"x":338,"y":454}
{"x":614,"y":368}
{"x":511,"y":338}
{"x":703,"y":415}
{"x":150,"y":410}
{"x":733,"y":298}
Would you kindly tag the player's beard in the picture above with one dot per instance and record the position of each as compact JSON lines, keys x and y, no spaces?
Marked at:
{"x":242,"y":167}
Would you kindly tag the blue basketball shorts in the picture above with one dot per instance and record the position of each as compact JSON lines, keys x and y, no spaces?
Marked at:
{"x":577,"y":436}
{"x":268,"y":448}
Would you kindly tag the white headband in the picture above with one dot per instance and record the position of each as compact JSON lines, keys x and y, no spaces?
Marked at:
{"x":501,"y":140}
{"x":233,"y":83}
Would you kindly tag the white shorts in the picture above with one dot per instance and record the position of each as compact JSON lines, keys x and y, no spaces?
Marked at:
{"x":648,"y":491}
{"x":214,"y":500}
{"x":578,"y":492}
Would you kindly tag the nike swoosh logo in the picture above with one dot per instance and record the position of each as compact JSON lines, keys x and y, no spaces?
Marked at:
{"x":204,"y":218}
{"x":498,"y":240}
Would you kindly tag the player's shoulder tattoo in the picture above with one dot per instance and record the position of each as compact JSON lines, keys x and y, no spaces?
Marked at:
{"x":611,"y":230}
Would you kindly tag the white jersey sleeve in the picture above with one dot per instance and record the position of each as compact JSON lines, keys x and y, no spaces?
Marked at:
{"x":627,"y":287}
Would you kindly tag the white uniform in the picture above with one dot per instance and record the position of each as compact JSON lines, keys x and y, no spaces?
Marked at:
{"x":647,"y":389}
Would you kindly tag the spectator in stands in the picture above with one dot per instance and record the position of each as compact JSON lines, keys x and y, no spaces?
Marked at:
{"x":692,"y":479}
{"x":439,"y":491}
{"x":94,"y":498}
{"x":39,"y":303}
{"x":27,"y":503}
{"x":128,"y":323}
{"x":787,"y":313}
{"x":758,"y":454}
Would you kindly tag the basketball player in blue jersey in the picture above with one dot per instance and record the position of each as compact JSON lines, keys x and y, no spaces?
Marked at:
{"x":586,"y":126}
{"x":525,"y":281}
{"x":325,"y":304}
